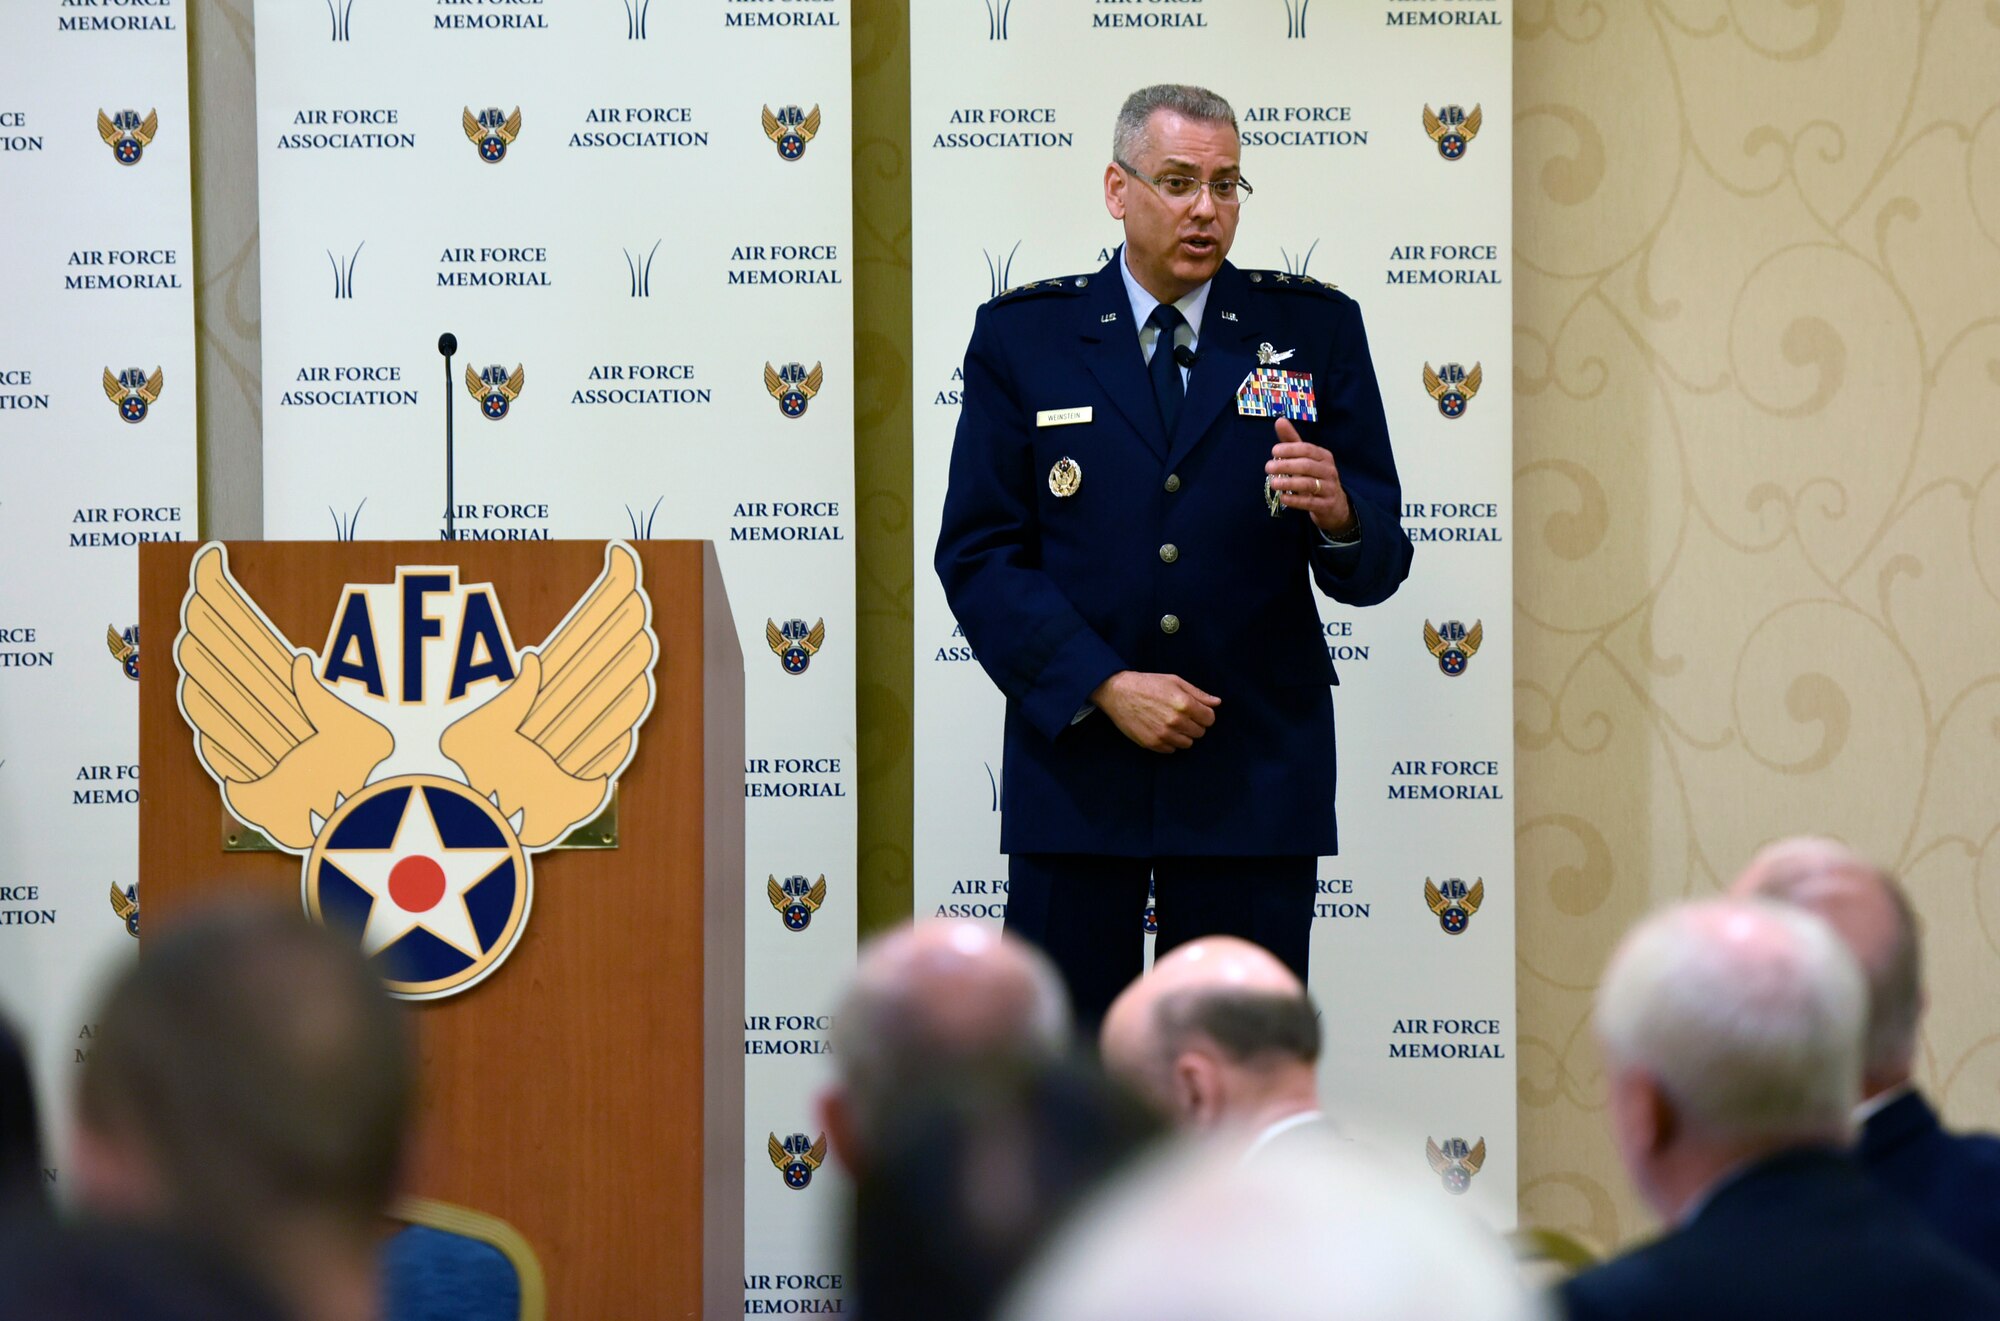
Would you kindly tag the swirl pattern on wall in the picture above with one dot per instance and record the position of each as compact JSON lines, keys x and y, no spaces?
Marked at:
{"x":1758,"y":305}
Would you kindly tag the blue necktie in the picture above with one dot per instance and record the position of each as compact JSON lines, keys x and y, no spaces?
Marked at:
{"x":1167,"y":388}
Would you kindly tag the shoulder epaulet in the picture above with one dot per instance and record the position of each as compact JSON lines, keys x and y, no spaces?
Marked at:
{"x":1061,"y":284}
{"x":1285,"y":280}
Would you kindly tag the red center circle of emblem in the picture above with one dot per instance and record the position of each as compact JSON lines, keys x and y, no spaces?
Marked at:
{"x":416,"y":884}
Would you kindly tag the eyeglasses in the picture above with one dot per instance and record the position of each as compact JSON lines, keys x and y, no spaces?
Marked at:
{"x":1184,"y":188}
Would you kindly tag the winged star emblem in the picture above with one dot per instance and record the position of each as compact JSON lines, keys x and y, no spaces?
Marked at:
{"x":1455,"y":1163}
{"x":1453,"y":387}
{"x":1454,"y":905}
{"x":797,"y":1161}
{"x":791,"y":129}
{"x":793,"y":386}
{"x":133,"y":391}
{"x":491,"y":133}
{"x":1452,"y":128}
{"x":1453,"y":644}
{"x":795,"y":901}
{"x":793,"y":643}
{"x":124,"y":649}
{"x":416,"y":774}
{"x":127,"y":135}
{"x":496,"y":388}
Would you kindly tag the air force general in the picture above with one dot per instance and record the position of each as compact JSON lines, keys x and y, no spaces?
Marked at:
{"x":1154,"y":464}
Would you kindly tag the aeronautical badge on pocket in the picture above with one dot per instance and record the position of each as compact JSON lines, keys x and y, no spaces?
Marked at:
{"x":1275,"y":392}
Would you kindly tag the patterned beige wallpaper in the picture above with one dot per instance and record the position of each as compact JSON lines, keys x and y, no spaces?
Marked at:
{"x":1757,"y":304}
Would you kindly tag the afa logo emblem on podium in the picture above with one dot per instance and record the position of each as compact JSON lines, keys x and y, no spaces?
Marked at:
{"x":127,"y":135}
{"x":418,"y":758}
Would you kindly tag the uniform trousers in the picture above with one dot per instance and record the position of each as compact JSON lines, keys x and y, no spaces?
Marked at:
{"x":1086,"y":911}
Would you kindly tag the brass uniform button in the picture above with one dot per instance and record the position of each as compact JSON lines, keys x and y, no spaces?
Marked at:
{"x":1173,"y":482}
{"x":1170,"y":623}
{"x":1170,"y":552}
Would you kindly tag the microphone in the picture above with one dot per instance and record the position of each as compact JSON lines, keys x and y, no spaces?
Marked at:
{"x":1184,"y":356}
{"x":448,"y":345}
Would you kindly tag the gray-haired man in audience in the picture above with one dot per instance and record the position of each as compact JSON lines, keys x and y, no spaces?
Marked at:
{"x":1732,"y":1036}
{"x":1949,"y":1178}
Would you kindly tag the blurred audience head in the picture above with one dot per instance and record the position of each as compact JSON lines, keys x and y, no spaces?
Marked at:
{"x":1325,"y":1237}
{"x":1219,"y":1034}
{"x":928,"y":1001}
{"x":250,"y":1086}
{"x":21,"y":1193}
{"x":1868,"y":909}
{"x":972,"y":1176}
{"x":1731,"y":1031}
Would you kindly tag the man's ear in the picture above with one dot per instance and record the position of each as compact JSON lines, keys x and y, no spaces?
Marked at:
{"x":1197,"y":1090}
{"x":112,"y":1175}
{"x":1662,"y":1119}
{"x":1114,"y":191}
{"x":835,"y":1110}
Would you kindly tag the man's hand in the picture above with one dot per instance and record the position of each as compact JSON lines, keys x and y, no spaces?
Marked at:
{"x":1159,"y":712}
{"x":1305,"y":478}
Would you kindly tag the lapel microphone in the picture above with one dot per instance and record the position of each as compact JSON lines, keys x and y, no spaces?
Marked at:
{"x":1185,"y":356}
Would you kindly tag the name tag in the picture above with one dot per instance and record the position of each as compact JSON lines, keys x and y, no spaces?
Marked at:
{"x":1275,"y":392}
{"x":1062,"y":417}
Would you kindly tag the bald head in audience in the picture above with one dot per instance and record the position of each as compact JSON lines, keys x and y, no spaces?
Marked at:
{"x":1219,"y":1035}
{"x":930,"y":999}
{"x":1868,"y":910}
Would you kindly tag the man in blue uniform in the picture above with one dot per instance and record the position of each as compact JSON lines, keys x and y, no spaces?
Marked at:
{"x":1154,"y":465}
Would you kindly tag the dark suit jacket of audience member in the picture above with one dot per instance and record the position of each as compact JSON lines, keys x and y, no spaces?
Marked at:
{"x":1804,"y":1234}
{"x":102,"y":1272}
{"x":1951,"y":1179}
{"x":20,"y":1134}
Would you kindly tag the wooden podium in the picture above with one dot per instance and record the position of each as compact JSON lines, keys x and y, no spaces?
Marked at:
{"x":590,"y":1091}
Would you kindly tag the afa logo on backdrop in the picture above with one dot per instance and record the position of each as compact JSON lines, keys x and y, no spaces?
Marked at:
{"x":127,"y":135}
{"x":793,"y":643}
{"x":796,"y":1159}
{"x":1453,"y":644}
{"x":793,"y":386}
{"x":796,"y":900}
{"x":1452,"y":129}
{"x":791,"y":129}
{"x":418,"y":758}
{"x":134,"y":392}
{"x":1455,"y":1162}
{"x":496,"y":388}
{"x":1453,"y":904}
{"x":492,"y":132}
{"x":125,"y":903}
{"x":1452,"y":387}
{"x":124,"y":649}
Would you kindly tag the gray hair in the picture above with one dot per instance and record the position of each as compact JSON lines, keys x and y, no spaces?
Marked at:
{"x":1252,"y":1027}
{"x":1128,"y":138}
{"x":1748,"y":1013}
{"x":946,"y":996}
{"x":1896,"y":979}
{"x":1233,"y":1235}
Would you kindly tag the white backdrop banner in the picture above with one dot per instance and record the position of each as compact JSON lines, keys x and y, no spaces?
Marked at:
{"x":1378,"y":136}
{"x":635,"y":219}
{"x":97,"y":454}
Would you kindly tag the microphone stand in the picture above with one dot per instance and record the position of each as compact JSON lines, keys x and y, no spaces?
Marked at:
{"x":448,"y":345}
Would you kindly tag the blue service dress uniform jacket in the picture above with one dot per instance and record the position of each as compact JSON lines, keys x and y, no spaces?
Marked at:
{"x":1164,"y":558}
